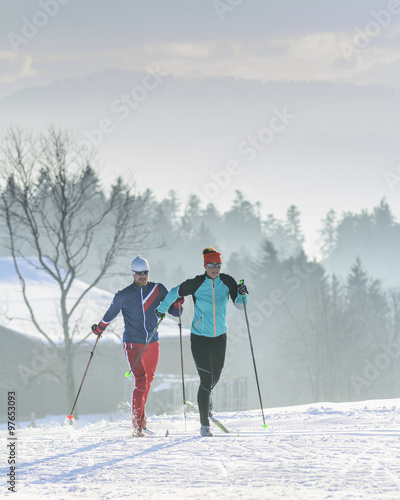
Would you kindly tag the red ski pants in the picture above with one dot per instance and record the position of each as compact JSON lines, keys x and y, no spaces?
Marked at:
{"x":143,"y":373}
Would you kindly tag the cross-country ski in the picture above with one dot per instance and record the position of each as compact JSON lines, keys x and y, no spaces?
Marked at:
{"x":210,"y":416}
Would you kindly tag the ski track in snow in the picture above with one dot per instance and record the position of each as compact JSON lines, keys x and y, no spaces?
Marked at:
{"x":321,"y":451}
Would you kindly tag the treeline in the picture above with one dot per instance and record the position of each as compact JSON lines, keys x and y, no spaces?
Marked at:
{"x":320,"y":335}
{"x":240,"y":232}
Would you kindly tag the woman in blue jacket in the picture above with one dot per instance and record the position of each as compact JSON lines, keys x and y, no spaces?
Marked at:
{"x":210,"y":292}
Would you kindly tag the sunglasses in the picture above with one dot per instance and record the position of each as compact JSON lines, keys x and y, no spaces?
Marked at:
{"x":210,"y":265}
{"x":141,"y":273}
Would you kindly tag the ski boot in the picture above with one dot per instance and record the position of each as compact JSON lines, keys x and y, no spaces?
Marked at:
{"x":205,"y":431}
{"x":137,"y":432}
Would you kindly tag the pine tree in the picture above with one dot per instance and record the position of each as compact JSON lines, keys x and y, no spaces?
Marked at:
{"x":357,"y":287}
{"x":266,"y":271}
{"x":293,"y":229}
{"x":328,"y":234}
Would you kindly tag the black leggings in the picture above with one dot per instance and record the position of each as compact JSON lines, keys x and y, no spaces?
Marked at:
{"x":209,"y":356}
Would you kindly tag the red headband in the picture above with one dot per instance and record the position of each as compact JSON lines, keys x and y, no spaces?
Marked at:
{"x":212,"y":257}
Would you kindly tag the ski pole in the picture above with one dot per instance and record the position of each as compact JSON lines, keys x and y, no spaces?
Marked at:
{"x":70,"y":416}
{"x":183,"y":377}
{"x":252,"y":354}
{"x":128,"y":374}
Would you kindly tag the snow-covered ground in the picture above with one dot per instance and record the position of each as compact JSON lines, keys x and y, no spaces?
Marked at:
{"x":325,"y":450}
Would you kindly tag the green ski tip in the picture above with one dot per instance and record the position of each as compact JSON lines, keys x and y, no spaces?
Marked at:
{"x":127,"y":374}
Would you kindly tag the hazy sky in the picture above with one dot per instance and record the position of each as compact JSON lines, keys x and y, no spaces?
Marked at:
{"x":218,"y":99}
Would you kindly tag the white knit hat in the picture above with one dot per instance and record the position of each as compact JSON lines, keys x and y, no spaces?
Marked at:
{"x":139,"y":264}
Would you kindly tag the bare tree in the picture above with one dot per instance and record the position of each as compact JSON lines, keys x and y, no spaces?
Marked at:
{"x":55,"y":211}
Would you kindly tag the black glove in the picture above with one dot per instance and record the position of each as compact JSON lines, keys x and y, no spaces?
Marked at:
{"x":159,"y":314}
{"x":97,"y":330}
{"x":179,"y":302}
{"x":242,"y":289}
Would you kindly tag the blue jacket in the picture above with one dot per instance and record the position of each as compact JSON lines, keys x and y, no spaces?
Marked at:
{"x":137,"y":305}
{"x":210,"y":300}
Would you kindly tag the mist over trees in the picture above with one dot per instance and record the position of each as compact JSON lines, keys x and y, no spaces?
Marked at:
{"x":372,"y":236}
{"x":322,"y":331}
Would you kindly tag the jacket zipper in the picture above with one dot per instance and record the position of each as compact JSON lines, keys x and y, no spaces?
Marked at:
{"x":215,"y":321}
{"x":144,"y":316}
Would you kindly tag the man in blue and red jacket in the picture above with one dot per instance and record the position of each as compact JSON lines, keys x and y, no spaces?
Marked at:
{"x":137,"y":302}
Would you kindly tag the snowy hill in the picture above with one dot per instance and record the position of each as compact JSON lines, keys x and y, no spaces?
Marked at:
{"x":328,"y":450}
{"x":44,"y":294}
